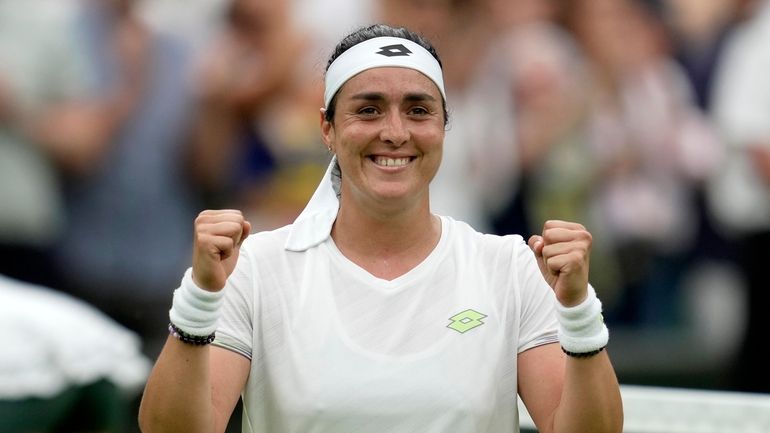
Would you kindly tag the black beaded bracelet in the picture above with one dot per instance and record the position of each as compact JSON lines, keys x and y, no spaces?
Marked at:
{"x":583,"y":354}
{"x":190,"y":339}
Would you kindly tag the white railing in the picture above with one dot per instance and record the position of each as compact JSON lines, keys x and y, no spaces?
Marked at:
{"x":671,"y":410}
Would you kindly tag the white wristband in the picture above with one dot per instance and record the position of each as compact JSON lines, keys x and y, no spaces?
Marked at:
{"x":194,"y":310}
{"x":582,"y":328}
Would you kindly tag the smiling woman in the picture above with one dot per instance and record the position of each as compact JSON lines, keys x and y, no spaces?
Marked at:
{"x":370,"y":313}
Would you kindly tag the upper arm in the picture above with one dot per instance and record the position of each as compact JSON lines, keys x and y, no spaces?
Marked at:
{"x":540,"y":381}
{"x":229,"y":371}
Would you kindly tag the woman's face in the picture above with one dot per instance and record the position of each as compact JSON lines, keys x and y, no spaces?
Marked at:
{"x":387,"y":133}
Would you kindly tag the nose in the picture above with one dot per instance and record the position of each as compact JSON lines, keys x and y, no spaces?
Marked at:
{"x":394,"y":129}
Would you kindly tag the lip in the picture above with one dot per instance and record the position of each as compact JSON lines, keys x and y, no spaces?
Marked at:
{"x":392,"y":155}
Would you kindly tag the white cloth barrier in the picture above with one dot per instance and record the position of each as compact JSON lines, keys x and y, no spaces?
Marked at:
{"x":52,"y":341}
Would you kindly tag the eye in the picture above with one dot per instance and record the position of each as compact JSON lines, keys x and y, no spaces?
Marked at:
{"x":367,"y":111}
{"x":418,"y":111}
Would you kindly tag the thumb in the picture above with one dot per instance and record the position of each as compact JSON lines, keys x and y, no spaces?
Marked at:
{"x":536,"y":245}
{"x":245,"y":232}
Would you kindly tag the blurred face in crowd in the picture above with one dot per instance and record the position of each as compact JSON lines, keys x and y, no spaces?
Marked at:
{"x":696,"y":19}
{"x":620,"y":35}
{"x":116,"y":8}
{"x":508,"y":13}
{"x":257,"y":20}
{"x":432,"y":18}
{"x":254,"y":57}
{"x":387,"y":132}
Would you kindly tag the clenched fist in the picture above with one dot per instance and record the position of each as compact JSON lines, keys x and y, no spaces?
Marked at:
{"x":218,"y":238}
{"x":562,"y":254}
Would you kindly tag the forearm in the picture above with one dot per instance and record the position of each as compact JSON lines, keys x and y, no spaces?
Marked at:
{"x":178,"y":396}
{"x":76,"y":135}
{"x":590,"y":401}
{"x":213,"y":146}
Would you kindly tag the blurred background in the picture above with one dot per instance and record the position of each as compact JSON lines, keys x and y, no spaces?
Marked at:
{"x":646,"y":120}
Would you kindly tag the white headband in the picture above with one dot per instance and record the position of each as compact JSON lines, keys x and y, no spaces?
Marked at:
{"x":381,"y":52}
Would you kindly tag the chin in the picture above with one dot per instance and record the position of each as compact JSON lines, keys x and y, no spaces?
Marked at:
{"x":397,"y":194}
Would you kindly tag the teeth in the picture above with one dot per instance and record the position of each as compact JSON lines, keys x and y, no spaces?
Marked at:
{"x":391,"y":162}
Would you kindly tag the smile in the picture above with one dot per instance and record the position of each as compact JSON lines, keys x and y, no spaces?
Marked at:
{"x":390,"y":162}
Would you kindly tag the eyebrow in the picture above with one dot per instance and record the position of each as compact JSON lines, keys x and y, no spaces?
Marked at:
{"x":409,"y":97}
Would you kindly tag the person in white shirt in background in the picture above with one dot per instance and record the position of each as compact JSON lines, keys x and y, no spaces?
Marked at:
{"x":740,"y":193}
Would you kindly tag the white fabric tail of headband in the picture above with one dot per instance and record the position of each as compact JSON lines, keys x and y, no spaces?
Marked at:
{"x":314,"y":224}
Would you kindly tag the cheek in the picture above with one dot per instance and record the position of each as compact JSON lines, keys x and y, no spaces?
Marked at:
{"x":432,"y":138}
{"x":354,"y":137}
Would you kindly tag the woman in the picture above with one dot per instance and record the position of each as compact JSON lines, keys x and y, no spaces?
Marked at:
{"x":369,"y":313}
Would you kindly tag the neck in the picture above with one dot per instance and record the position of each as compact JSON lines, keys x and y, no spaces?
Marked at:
{"x":386,"y":245}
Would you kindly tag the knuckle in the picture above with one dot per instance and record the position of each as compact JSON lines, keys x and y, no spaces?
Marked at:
{"x":200,"y":219}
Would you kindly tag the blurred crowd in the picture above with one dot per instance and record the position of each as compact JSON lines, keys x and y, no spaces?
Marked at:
{"x":646,"y":120}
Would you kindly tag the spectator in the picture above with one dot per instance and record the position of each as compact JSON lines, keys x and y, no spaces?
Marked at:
{"x":548,"y":75}
{"x":652,"y":146}
{"x":114,"y":252}
{"x":698,"y":31}
{"x":254,"y":145}
{"x":45,"y":128}
{"x":740,"y":193}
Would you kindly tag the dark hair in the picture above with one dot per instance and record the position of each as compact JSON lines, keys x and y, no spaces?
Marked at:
{"x":376,"y":31}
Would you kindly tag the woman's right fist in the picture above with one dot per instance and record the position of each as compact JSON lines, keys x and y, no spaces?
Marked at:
{"x":218,"y":238}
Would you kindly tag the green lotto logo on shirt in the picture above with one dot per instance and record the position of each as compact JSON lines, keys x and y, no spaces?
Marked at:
{"x":465,"y":321}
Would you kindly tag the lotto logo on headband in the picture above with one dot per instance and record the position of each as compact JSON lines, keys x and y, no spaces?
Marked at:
{"x":394,"y":50}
